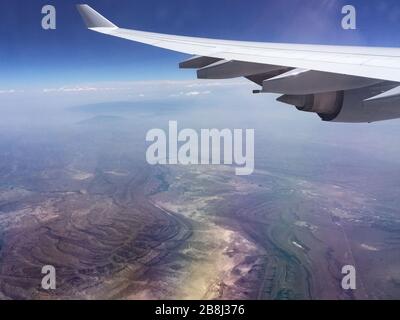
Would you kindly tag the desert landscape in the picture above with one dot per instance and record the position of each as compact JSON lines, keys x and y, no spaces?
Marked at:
{"x":114,"y":227}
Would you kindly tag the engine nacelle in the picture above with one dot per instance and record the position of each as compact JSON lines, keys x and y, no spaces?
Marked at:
{"x":327,"y":105}
{"x":351,"y":106}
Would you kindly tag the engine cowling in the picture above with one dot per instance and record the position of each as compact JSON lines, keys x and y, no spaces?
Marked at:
{"x":327,"y":105}
{"x":350,"y":106}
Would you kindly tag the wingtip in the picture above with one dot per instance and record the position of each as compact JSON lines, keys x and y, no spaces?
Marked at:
{"x":92,"y":18}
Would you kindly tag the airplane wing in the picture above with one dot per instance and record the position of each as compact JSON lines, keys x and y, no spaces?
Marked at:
{"x":290,"y":69}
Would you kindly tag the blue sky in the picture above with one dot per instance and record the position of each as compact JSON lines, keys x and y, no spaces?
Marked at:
{"x":30,"y":56}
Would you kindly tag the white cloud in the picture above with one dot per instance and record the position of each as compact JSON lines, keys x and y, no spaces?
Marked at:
{"x":70,"y":89}
{"x":11,"y":91}
{"x":190,"y":93}
{"x":205,"y":84}
{"x":7,"y":91}
{"x":197,"y":93}
{"x":86,"y":93}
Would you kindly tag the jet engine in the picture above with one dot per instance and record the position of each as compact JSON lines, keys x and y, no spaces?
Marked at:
{"x":327,"y":105}
{"x":351,"y":106}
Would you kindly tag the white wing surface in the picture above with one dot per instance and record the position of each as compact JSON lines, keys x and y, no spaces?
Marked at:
{"x":314,"y":78}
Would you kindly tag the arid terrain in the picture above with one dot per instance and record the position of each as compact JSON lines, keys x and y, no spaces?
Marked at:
{"x":84,"y":200}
